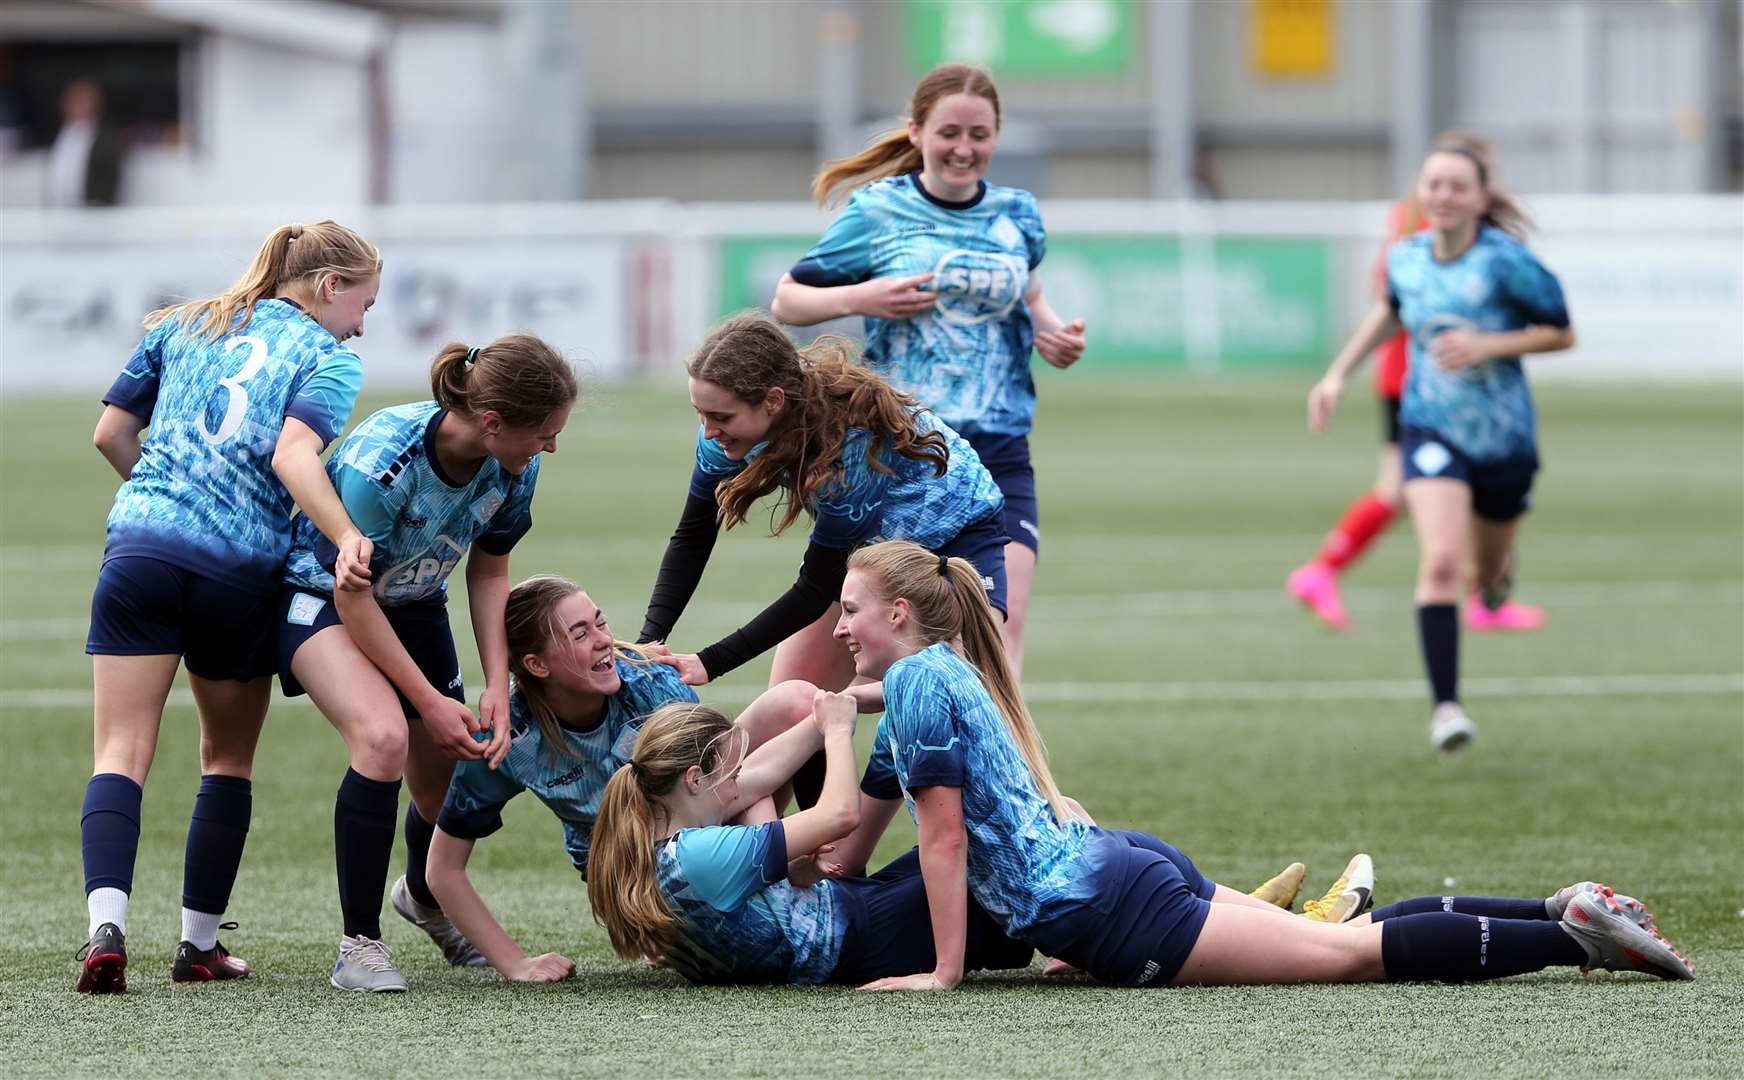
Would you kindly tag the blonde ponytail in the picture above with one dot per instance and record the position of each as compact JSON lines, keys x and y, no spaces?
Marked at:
{"x":290,"y":254}
{"x":949,"y":604}
{"x":622,"y":884}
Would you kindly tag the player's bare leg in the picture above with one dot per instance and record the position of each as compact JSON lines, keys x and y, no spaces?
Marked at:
{"x":1441,"y":514}
{"x":1020,"y":567}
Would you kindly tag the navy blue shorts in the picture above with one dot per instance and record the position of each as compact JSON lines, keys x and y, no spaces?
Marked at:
{"x":1145,"y":920}
{"x":1501,"y":490}
{"x":1007,"y":458}
{"x":983,"y":544}
{"x":422,"y":628}
{"x":148,"y":607}
{"x":890,"y":930}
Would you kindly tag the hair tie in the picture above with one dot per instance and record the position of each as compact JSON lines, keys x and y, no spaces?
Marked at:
{"x":472,"y":356}
{"x":944,"y":565}
{"x":296,"y":231}
{"x":1469,"y":155}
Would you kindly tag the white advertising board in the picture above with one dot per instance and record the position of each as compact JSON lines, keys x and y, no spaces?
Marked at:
{"x":70,"y":313}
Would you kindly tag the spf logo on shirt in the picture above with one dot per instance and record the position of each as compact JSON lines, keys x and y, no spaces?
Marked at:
{"x":420,"y":575}
{"x":978,"y":286}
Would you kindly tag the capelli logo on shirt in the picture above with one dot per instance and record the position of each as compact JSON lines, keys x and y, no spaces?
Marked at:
{"x":411,"y":519}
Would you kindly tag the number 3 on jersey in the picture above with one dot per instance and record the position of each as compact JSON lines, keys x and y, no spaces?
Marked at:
{"x":236,"y":407}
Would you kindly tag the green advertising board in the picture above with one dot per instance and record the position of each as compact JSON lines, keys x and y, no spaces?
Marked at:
{"x":1022,"y":37}
{"x":1265,"y":301}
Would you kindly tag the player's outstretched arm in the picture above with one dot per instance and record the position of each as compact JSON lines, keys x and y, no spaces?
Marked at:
{"x":446,"y":872}
{"x":838,"y":807}
{"x":944,"y":865}
{"x":1377,"y":326}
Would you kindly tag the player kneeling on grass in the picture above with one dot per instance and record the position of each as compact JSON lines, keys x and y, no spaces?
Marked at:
{"x":241,"y":392}
{"x":426,"y":482}
{"x":957,"y":743}
{"x":580,"y":698}
{"x":723,"y":903}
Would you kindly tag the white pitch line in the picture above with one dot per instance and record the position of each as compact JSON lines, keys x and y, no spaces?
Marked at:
{"x":1173,"y":602}
{"x":1178,"y":691}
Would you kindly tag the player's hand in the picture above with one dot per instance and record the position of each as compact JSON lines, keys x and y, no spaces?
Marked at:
{"x":451,"y":726}
{"x":689,"y":667}
{"x":894,"y":297}
{"x":834,"y":712}
{"x":1456,"y":349}
{"x":659,"y":653}
{"x":1323,"y":401}
{"x":493,"y":715}
{"x":808,"y":870}
{"x":1063,"y":347}
{"x":351,"y":568}
{"x":930,"y":981}
{"x":551,"y":967}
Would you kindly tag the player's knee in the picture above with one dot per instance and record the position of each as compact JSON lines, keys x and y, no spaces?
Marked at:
{"x":1440,"y":570}
{"x":380,"y":748}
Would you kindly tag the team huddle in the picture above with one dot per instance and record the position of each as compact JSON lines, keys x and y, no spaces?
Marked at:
{"x":738,"y":850}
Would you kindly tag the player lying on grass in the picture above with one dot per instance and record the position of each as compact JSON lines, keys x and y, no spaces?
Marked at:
{"x":957,"y":743}
{"x":241,"y":392}
{"x":429,"y":483}
{"x":580,"y":697}
{"x":670,"y":879}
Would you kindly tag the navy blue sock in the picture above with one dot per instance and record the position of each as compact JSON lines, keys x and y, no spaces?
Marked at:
{"x":1448,"y":947}
{"x":418,"y":834}
{"x":1496,"y":907}
{"x":109,"y":831}
{"x":216,"y":834}
{"x":1438,"y":633}
{"x":363,"y":845}
{"x":808,"y":782}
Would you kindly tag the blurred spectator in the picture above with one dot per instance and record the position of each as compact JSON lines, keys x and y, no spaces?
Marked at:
{"x":84,"y":163}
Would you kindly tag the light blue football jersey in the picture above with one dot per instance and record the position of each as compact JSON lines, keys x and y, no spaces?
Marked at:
{"x":942,"y":729}
{"x":741,"y":920}
{"x":1496,"y":285}
{"x":203,"y":495}
{"x":570,"y":782}
{"x":420,"y":520}
{"x":863,"y":505}
{"x":968,"y":356}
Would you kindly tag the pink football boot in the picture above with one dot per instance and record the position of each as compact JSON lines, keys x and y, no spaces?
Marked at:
{"x":1316,"y":585}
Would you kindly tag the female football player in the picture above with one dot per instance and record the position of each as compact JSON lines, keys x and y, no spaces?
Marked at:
{"x":580,"y":698}
{"x":1315,"y":583}
{"x":1474,"y":301}
{"x":957,"y":741}
{"x":943,"y":266}
{"x":428,"y":483}
{"x":720,"y":902}
{"x":241,"y":392}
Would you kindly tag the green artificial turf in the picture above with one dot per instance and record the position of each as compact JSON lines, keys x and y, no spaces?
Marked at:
{"x":1179,"y":690}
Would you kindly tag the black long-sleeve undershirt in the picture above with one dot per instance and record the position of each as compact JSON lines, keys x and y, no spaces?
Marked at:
{"x":821,"y":573}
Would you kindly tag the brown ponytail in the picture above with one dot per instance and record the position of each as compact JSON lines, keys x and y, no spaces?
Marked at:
{"x":949,"y":604}
{"x":622,"y":884}
{"x":292,"y":254}
{"x":826,"y":394}
{"x":893,"y":154}
{"x":519,"y":377}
